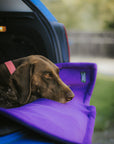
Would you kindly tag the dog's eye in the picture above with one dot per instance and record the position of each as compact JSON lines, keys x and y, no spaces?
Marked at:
{"x":48,"y":75}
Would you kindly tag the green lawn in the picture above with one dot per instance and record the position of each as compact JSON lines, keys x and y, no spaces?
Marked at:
{"x":103,"y":99}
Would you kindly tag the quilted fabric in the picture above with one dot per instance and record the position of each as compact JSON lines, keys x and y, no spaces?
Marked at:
{"x":72,"y":122}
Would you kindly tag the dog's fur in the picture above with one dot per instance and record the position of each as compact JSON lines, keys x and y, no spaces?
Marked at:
{"x":35,"y":77}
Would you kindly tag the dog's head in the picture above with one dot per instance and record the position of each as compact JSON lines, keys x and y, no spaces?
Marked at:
{"x":39,"y":76}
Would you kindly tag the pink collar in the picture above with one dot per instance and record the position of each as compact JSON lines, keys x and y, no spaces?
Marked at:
{"x":10,"y":66}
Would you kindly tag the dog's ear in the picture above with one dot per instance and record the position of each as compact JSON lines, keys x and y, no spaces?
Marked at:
{"x":21,"y":82}
{"x":4,"y":75}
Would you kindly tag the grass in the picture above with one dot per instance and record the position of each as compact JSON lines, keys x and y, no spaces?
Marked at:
{"x":103,"y":99}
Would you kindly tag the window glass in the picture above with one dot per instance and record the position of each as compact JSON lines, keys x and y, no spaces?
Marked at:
{"x":14,"y":5}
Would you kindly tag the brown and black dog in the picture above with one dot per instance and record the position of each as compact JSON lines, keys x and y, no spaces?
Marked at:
{"x":35,"y":77}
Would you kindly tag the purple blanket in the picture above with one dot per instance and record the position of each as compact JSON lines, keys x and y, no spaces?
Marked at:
{"x":72,"y":122}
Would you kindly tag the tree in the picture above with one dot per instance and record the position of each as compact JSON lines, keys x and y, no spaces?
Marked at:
{"x":92,"y":15}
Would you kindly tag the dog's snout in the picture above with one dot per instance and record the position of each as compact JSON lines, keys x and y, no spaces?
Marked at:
{"x":69,"y":96}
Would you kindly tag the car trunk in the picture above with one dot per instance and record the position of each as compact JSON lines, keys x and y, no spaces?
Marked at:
{"x":27,"y":28}
{"x":28,"y":31}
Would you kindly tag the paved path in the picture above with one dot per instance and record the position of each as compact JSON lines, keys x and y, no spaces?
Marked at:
{"x":105,"y":65}
{"x":105,"y":137}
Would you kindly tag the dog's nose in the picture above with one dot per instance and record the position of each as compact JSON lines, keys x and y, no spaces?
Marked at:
{"x":69,"y":96}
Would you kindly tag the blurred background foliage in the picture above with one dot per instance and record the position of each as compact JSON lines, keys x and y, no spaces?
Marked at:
{"x":86,"y":15}
{"x":102,"y":98}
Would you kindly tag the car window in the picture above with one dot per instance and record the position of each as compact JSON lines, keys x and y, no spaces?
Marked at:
{"x":14,"y":5}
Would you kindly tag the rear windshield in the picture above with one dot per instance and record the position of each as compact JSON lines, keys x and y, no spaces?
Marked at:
{"x":14,"y":6}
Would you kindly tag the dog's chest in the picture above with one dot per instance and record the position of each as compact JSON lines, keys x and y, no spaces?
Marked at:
{"x":7,"y":97}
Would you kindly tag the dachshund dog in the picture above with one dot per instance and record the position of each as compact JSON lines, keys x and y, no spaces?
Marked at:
{"x":35,"y":77}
